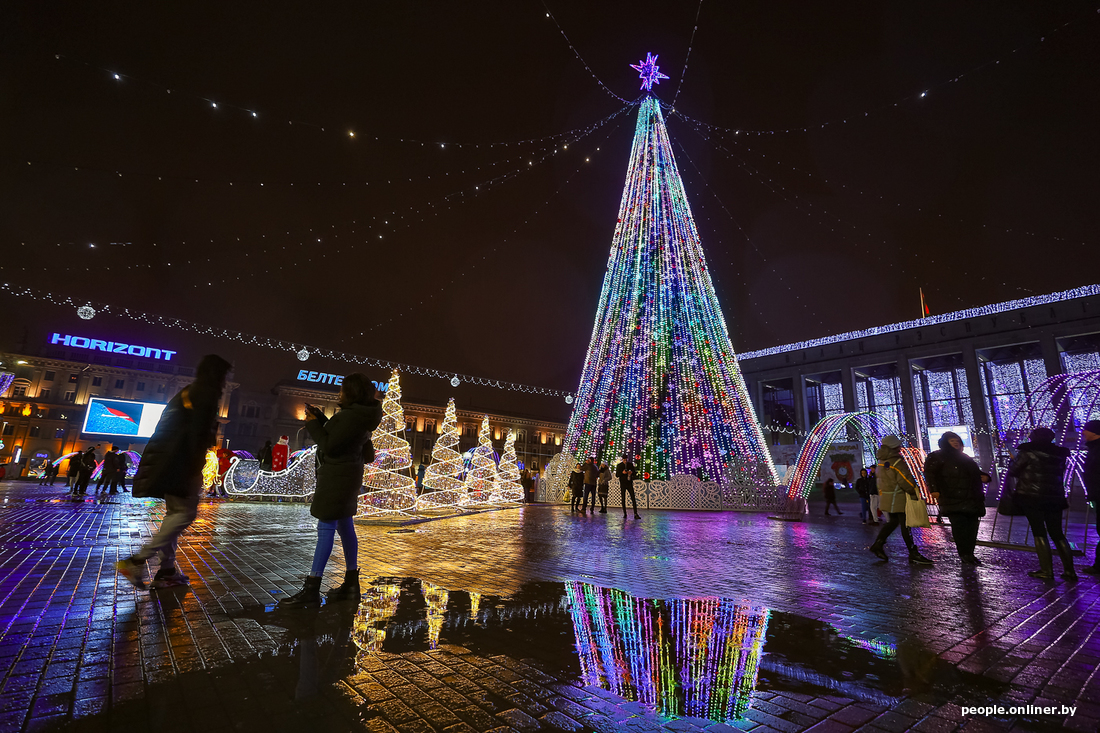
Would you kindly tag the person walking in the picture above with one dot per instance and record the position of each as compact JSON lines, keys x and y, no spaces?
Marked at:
{"x":829,"y":489}
{"x":603,"y":486}
{"x":85,"y":465}
{"x":576,"y":487}
{"x":957,"y":483}
{"x":420,"y":471}
{"x":343,"y":447}
{"x":171,"y":469}
{"x":591,"y":477}
{"x":526,"y":482}
{"x":863,"y":489}
{"x":1039,"y":470}
{"x":123,"y":469}
{"x":896,"y":486}
{"x":1090,"y":473}
{"x":625,"y":473}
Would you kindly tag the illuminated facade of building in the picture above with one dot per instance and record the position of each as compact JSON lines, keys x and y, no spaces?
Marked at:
{"x":971,"y":368}
{"x":44,"y":406}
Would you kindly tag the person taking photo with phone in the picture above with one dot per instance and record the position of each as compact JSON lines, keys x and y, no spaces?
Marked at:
{"x":343,"y":447}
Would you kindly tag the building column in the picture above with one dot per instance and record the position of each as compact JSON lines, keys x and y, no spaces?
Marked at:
{"x":1052,"y":358}
{"x":802,"y":417}
{"x":848,"y":388}
{"x":983,"y":441}
{"x":908,"y":402}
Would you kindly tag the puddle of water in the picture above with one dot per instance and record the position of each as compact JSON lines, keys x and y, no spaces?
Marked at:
{"x":701,"y":658}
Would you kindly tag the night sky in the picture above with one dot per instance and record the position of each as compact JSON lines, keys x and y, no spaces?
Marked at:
{"x":487,"y":258}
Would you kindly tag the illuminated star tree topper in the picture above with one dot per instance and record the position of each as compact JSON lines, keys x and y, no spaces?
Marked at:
{"x":648,"y":72}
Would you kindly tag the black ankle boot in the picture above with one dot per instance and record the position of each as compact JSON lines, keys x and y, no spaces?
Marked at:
{"x":1046,"y":566}
{"x":308,"y":597}
{"x":878,"y":549}
{"x":1066,"y":553}
{"x":915,"y":558}
{"x":348,"y":590}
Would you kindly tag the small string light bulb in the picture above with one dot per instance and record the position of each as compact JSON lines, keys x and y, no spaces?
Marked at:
{"x":351,"y":133}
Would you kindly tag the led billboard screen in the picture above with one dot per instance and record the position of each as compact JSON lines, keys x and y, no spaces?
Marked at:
{"x":121,"y":417}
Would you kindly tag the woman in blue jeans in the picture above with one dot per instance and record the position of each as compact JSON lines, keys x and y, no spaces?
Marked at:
{"x":341,"y":441}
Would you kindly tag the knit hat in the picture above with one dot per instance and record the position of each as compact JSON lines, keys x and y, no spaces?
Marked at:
{"x":1044,"y":435}
{"x":891,"y":441}
{"x":1093,"y":426}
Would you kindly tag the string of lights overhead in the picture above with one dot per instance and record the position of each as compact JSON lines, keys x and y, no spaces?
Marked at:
{"x":580,"y":58}
{"x":687,"y":56}
{"x":88,"y":310}
{"x":742,"y":144}
{"x":914,"y":97}
{"x":792,"y":292}
{"x":258,"y":254}
{"x":341,"y":130}
{"x":836,"y":226}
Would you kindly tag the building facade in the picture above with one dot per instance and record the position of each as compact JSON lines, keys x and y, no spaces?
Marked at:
{"x":973,"y":368}
{"x":259,"y":416}
{"x":45,"y":402}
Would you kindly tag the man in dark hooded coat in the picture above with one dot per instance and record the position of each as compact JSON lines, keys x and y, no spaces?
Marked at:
{"x":171,"y":469}
{"x":957,"y":483}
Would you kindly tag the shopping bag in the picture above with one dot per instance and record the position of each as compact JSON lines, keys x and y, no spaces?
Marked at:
{"x":916,"y":513}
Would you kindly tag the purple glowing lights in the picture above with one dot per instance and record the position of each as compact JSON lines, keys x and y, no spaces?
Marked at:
{"x":648,"y":72}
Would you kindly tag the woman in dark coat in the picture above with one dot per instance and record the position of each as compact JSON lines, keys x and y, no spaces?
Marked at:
{"x":958,"y":485}
{"x":576,"y":487}
{"x":829,"y":489}
{"x":341,"y":441}
{"x":1039,"y":470}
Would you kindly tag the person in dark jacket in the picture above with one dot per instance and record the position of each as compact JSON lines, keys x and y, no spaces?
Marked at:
{"x":112,"y":464}
{"x":85,"y":466}
{"x":829,"y":490}
{"x":342,"y":441}
{"x":1090,"y":473}
{"x":591,"y":477}
{"x":265,"y":456}
{"x":576,"y":487}
{"x":957,"y":483}
{"x":863,"y":489}
{"x":171,"y":469}
{"x":625,"y":473}
{"x":603,"y":486}
{"x":1039,"y":470}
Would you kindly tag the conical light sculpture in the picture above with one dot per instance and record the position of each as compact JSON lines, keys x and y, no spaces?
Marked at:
{"x":661,"y":381}
{"x":442,"y":485}
{"x":390,"y":487}
{"x":508,"y":487}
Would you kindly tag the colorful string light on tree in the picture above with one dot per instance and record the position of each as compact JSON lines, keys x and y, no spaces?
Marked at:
{"x":661,"y":380}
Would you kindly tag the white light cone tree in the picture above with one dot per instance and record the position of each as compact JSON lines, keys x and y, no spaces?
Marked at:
{"x":390,"y":487}
{"x":482,"y":476}
{"x":508,"y":488}
{"x":442,"y":486}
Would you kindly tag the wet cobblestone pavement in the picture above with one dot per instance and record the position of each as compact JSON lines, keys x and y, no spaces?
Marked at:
{"x":529,"y":619}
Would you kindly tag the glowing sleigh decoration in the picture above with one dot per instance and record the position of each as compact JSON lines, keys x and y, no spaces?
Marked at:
{"x":245,"y":478}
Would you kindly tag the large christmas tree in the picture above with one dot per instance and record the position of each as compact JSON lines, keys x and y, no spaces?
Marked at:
{"x":390,"y":486}
{"x":661,"y":380}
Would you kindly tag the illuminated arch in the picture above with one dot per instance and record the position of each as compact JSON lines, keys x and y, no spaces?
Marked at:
{"x":871,"y":428}
{"x":1062,"y":403}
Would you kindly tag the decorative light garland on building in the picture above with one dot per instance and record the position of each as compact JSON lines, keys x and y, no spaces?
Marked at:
{"x":660,"y":380}
{"x":961,"y":315}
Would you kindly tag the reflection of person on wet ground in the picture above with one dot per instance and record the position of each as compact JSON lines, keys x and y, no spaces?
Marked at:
{"x":341,"y":441}
{"x":576,"y":487}
{"x":896,"y":485}
{"x":625,"y":473}
{"x":603,"y":486}
{"x":316,"y":666}
{"x":829,"y":489}
{"x":1039,"y":470}
{"x":957,"y":483}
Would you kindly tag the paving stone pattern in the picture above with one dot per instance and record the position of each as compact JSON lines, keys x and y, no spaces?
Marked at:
{"x":82,"y":650}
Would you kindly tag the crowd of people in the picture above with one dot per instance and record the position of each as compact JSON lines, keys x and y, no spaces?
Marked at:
{"x":591,"y":480}
{"x":958,"y":486}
